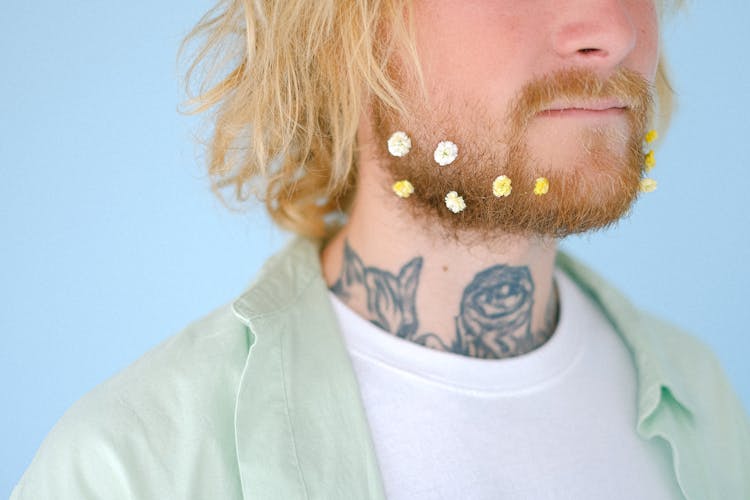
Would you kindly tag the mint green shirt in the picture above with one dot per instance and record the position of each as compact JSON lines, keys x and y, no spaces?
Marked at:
{"x":259,"y":400}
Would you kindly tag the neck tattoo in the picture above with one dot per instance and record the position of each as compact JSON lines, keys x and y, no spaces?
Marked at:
{"x":493,"y":320}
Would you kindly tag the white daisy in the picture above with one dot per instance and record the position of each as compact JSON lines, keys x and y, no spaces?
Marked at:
{"x":454,"y":202}
{"x":445,"y":153}
{"x":399,"y":144}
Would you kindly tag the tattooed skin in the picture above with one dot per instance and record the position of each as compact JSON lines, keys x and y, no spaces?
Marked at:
{"x":494,"y":316}
{"x":391,"y":300}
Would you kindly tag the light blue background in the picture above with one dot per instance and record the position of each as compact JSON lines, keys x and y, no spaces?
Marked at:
{"x":110,"y":239}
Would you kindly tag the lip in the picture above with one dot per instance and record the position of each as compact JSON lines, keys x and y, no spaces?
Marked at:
{"x":582,"y":112}
{"x":594,"y":108}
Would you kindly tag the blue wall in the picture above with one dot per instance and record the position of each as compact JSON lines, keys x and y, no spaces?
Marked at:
{"x":111,"y":240}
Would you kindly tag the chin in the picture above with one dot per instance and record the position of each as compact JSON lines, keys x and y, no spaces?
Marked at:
{"x":577,"y":149}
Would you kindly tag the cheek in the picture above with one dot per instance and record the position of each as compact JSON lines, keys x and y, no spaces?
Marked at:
{"x":465,"y":44}
{"x":645,"y":58}
{"x":471,"y":54}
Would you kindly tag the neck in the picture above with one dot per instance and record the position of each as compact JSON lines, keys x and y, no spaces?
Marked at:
{"x":487,"y":300}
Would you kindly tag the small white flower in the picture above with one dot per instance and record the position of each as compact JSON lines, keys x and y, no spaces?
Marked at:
{"x":454,"y":202}
{"x":647,"y":185}
{"x":399,"y":144}
{"x":445,"y":153}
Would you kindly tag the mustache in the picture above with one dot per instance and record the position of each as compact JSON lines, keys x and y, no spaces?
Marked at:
{"x":583,"y":88}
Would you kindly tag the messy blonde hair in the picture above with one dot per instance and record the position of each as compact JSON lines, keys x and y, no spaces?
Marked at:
{"x":285,"y":82}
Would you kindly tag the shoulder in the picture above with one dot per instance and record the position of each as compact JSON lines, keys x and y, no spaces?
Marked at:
{"x":162,"y":423}
{"x":683,"y":350}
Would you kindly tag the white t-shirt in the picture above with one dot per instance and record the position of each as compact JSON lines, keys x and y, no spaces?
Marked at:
{"x":557,"y":422}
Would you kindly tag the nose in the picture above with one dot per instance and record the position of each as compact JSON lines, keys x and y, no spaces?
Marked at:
{"x":596,"y":33}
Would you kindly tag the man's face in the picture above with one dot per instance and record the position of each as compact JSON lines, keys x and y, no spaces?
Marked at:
{"x":535,"y":88}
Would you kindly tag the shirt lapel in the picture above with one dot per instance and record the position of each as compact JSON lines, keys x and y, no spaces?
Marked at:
{"x":300,"y":426}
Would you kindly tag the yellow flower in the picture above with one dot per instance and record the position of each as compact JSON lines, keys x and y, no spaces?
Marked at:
{"x":403,"y":189}
{"x":651,"y":136}
{"x":541,"y":186}
{"x":647,"y":185}
{"x":650,"y":161}
{"x":501,"y":186}
{"x":454,"y":202}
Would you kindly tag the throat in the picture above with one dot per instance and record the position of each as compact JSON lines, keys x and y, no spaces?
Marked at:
{"x":499,"y":312}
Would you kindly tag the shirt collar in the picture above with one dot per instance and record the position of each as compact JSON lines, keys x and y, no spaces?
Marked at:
{"x":652,"y":343}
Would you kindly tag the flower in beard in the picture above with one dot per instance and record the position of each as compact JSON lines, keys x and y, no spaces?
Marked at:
{"x":647,"y":185}
{"x":445,"y":153}
{"x":495,"y":311}
{"x":454,"y":202}
{"x":399,"y":144}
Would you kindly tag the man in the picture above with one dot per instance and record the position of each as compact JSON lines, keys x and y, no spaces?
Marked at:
{"x":436,"y":345}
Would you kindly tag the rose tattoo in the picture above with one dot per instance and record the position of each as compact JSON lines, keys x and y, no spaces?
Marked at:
{"x":495,"y":314}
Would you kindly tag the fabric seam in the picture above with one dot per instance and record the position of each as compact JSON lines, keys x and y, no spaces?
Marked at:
{"x":237,"y":409}
{"x":477,"y":391}
{"x":289,"y":422}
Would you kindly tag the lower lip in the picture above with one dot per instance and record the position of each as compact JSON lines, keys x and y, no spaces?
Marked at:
{"x":583,"y":113}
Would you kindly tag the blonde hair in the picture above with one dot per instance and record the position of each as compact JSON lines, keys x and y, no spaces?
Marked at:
{"x":285,"y":82}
